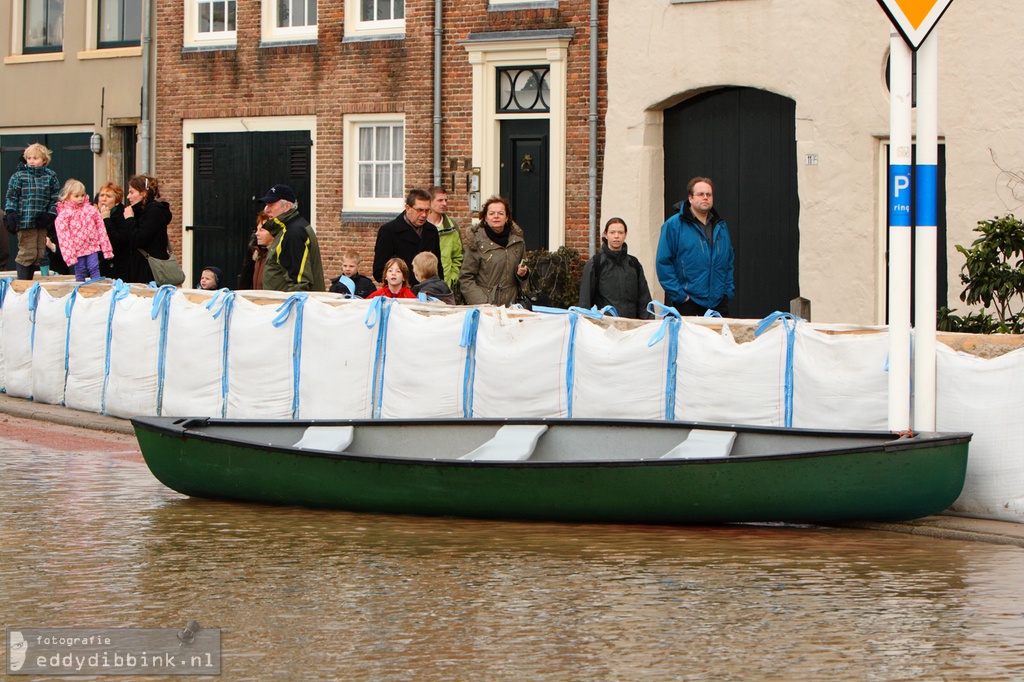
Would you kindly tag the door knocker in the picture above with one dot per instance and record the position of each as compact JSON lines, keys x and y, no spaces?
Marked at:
{"x":527,"y":165}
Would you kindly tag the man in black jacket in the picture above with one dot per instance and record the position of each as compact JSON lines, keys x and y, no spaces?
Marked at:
{"x":407,"y":235}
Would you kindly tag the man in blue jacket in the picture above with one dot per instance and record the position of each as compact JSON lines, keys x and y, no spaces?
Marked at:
{"x":695,"y":256}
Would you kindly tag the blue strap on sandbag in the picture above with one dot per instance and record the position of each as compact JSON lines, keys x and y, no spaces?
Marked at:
{"x":788,"y":322}
{"x":574,"y":313}
{"x":118,"y":292}
{"x":5,"y":286}
{"x":711,"y":312}
{"x":33,"y":304}
{"x":223,"y":303}
{"x":377,"y":315}
{"x":470,"y":326}
{"x":296,"y":303}
{"x":669,"y":327}
{"x":162,"y":309}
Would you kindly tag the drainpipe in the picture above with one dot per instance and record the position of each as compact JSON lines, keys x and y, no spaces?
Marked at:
{"x":437,"y":94}
{"x":145,"y":134}
{"x":592,"y":167}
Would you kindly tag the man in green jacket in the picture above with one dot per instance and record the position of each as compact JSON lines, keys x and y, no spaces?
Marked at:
{"x":293,"y":258}
{"x":449,"y":235}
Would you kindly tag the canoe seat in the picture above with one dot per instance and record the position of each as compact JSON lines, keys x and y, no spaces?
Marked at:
{"x":702,"y":444}
{"x":330,"y":438}
{"x":512,"y":443}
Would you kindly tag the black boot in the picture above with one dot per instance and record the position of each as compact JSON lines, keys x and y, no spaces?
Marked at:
{"x":25,"y":271}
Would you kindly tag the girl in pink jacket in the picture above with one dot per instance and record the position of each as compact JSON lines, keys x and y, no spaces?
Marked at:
{"x":80,"y":232}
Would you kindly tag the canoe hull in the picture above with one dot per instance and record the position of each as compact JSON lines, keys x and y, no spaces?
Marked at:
{"x":892,"y":483}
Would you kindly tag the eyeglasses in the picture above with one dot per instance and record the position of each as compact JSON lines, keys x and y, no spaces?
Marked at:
{"x":420,"y":210}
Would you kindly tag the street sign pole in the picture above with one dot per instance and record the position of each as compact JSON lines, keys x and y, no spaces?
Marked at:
{"x":900,"y":193}
{"x":925,"y":241}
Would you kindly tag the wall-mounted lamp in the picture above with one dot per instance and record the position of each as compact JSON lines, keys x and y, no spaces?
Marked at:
{"x":96,"y":143}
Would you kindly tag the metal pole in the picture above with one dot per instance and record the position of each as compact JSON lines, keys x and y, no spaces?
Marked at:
{"x":592,"y":163}
{"x":144,"y":133}
{"x":437,"y":94}
{"x":900,"y":192}
{"x":926,"y":181}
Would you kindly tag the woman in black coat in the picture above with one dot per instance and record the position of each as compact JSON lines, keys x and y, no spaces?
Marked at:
{"x":109,"y":200}
{"x":146,"y":220}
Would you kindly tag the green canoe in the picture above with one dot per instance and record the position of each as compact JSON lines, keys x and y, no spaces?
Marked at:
{"x":559,"y":469}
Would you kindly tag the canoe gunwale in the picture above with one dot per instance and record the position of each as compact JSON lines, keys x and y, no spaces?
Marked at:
{"x":186,"y":427}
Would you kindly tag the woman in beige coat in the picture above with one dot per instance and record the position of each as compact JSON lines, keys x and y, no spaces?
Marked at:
{"x":493,"y":269}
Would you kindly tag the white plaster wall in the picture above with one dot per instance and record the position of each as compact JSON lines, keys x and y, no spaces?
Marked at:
{"x":829,"y":57}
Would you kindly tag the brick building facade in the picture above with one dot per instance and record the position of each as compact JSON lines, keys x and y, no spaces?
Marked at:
{"x":344,"y":82}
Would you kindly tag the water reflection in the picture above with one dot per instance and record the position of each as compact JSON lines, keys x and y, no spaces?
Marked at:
{"x":301,"y":594}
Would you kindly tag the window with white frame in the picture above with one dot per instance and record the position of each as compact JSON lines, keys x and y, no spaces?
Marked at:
{"x":210,"y":22}
{"x":289,"y":19}
{"x":374,"y":162}
{"x":44,"y":26}
{"x":368,"y":18}
{"x":120,"y":23}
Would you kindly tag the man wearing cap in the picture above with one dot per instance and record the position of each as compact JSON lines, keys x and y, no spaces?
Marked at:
{"x":407,"y":235}
{"x":695,"y":258}
{"x":293,"y":258}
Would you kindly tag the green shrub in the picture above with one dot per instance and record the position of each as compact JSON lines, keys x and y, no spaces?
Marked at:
{"x":992,"y":277}
{"x":557,"y":274}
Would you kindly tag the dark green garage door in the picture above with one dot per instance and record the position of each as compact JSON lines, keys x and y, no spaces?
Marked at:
{"x":231,"y":171}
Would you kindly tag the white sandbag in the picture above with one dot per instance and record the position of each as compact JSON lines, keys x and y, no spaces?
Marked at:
{"x":134,"y":357}
{"x":338,"y":350}
{"x":617,"y":373}
{"x":5,"y":288}
{"x":521,"y":364}
{"x":49,"y":348}
{"x":18,"y":320}
{"x":193,"y":365}
{"x":87,"y":351}
{"x":719,"y":380}
{"x":985,"y":397}
{"x":840,"y":380}
{"x":261,"y":373}
{"x":424,"y":366}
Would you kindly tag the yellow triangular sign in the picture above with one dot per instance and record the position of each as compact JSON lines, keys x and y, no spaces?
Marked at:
{"x":914,"y":18}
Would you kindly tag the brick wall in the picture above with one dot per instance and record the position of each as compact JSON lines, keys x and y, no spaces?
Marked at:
{"x":331,"y":79}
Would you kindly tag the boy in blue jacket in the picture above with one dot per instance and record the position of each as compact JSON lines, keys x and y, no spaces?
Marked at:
{"x":695,"y":257}
{"x":31,"y":207}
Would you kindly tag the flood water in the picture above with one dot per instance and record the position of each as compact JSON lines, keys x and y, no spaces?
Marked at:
{"x":90,"y":539}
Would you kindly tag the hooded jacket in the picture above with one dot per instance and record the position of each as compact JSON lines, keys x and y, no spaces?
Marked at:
{"x":31,"y":191}
{"x":147,"y":230}
{"x":293,"y":258}
{"x":489,"y":270}
{"x":80,"y":231}
{"x":688,"y":265}
{"x":617,"y":279}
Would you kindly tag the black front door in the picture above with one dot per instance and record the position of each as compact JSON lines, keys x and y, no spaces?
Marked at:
{"x":524,"y":177}
{"x":71,"y":158}
{"x":745,"y":141}
{"x":231,"y":172}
